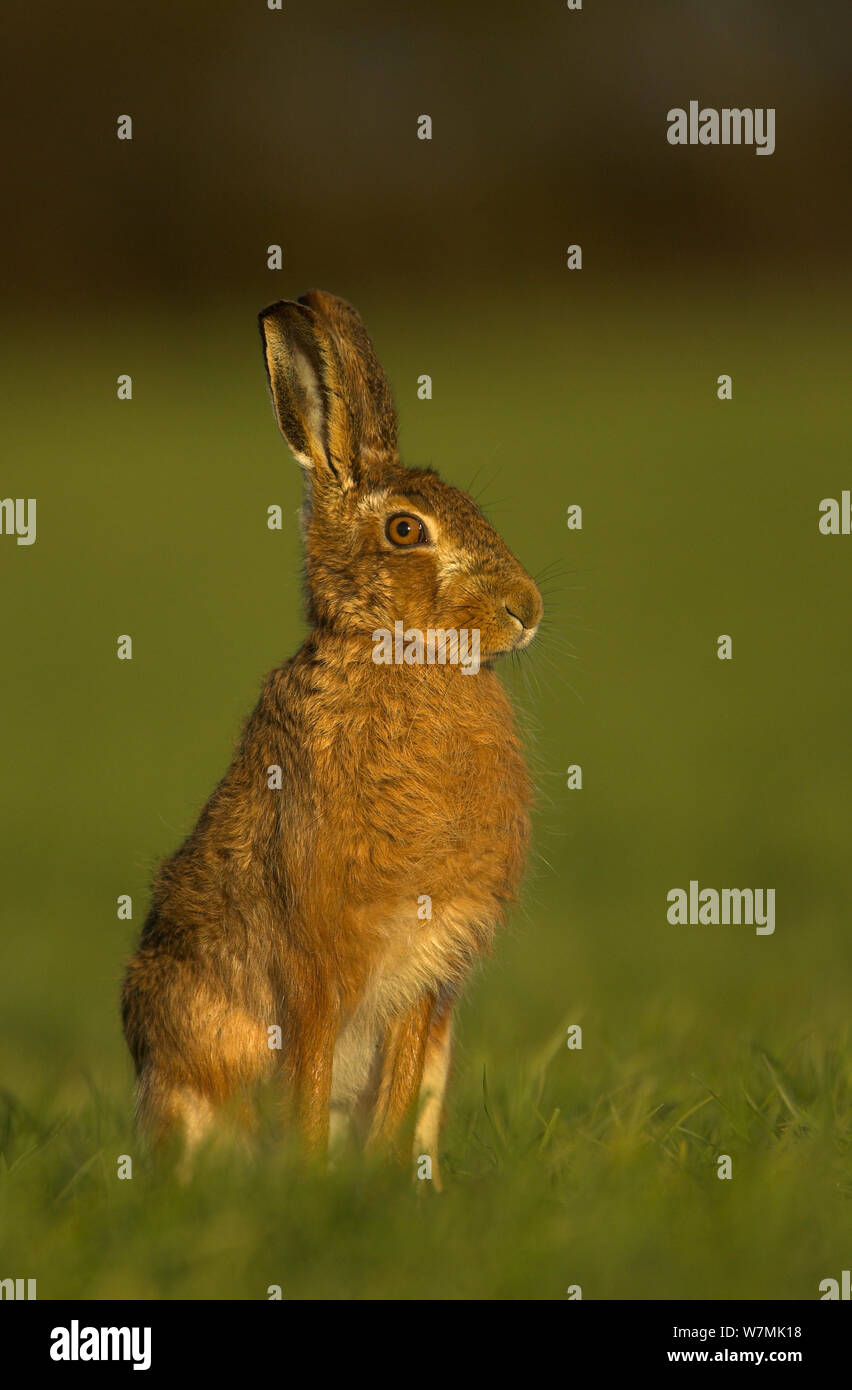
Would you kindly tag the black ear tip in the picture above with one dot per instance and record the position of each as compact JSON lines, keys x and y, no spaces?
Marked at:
{"x":271,"y":309}
{"x":291,"y":311}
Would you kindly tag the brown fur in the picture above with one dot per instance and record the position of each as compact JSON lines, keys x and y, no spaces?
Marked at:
{"x":299,"y":906}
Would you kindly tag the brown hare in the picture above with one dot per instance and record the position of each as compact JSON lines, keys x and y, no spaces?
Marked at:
{"x":354,"y":862}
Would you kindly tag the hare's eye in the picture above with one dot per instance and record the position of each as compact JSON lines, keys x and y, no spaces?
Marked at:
{"x":405,"y":529}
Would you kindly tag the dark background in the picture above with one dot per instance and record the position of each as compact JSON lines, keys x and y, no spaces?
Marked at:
{"x":298,"y":127}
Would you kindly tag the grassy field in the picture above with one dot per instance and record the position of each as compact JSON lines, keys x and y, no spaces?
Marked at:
{"x":593,"y":1167}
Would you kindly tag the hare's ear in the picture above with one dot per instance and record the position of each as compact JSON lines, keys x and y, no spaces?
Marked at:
{"x":363,"y":383}
{"x":331,"y":397}
{"x":304,"y":382}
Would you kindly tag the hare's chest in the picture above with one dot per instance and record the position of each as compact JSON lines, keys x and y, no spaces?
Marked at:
{"x":412,"y":946}
{"x":424,"y":833}
{"x":451,"y":797}
{"x":426,"y":946}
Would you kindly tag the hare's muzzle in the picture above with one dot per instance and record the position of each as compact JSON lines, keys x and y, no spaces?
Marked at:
{"x":524,"y":606}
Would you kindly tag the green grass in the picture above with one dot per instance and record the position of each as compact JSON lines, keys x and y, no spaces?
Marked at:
{"x":561,"y":1170}
{"x":593,"y":1167}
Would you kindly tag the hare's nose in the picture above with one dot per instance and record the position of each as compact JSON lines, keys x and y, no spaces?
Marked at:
{"x":524,"y":605}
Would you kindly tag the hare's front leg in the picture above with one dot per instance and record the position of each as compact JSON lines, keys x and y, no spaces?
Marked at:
{"x":436,"y":1069}
{"x":405,"y":1050}
{"x":309,"y":1062}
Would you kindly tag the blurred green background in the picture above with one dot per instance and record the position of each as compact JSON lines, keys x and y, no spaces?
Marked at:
{"x":551,"y":387}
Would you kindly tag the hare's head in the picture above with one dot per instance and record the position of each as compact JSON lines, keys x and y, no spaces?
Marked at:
{"x":384,"y":543}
